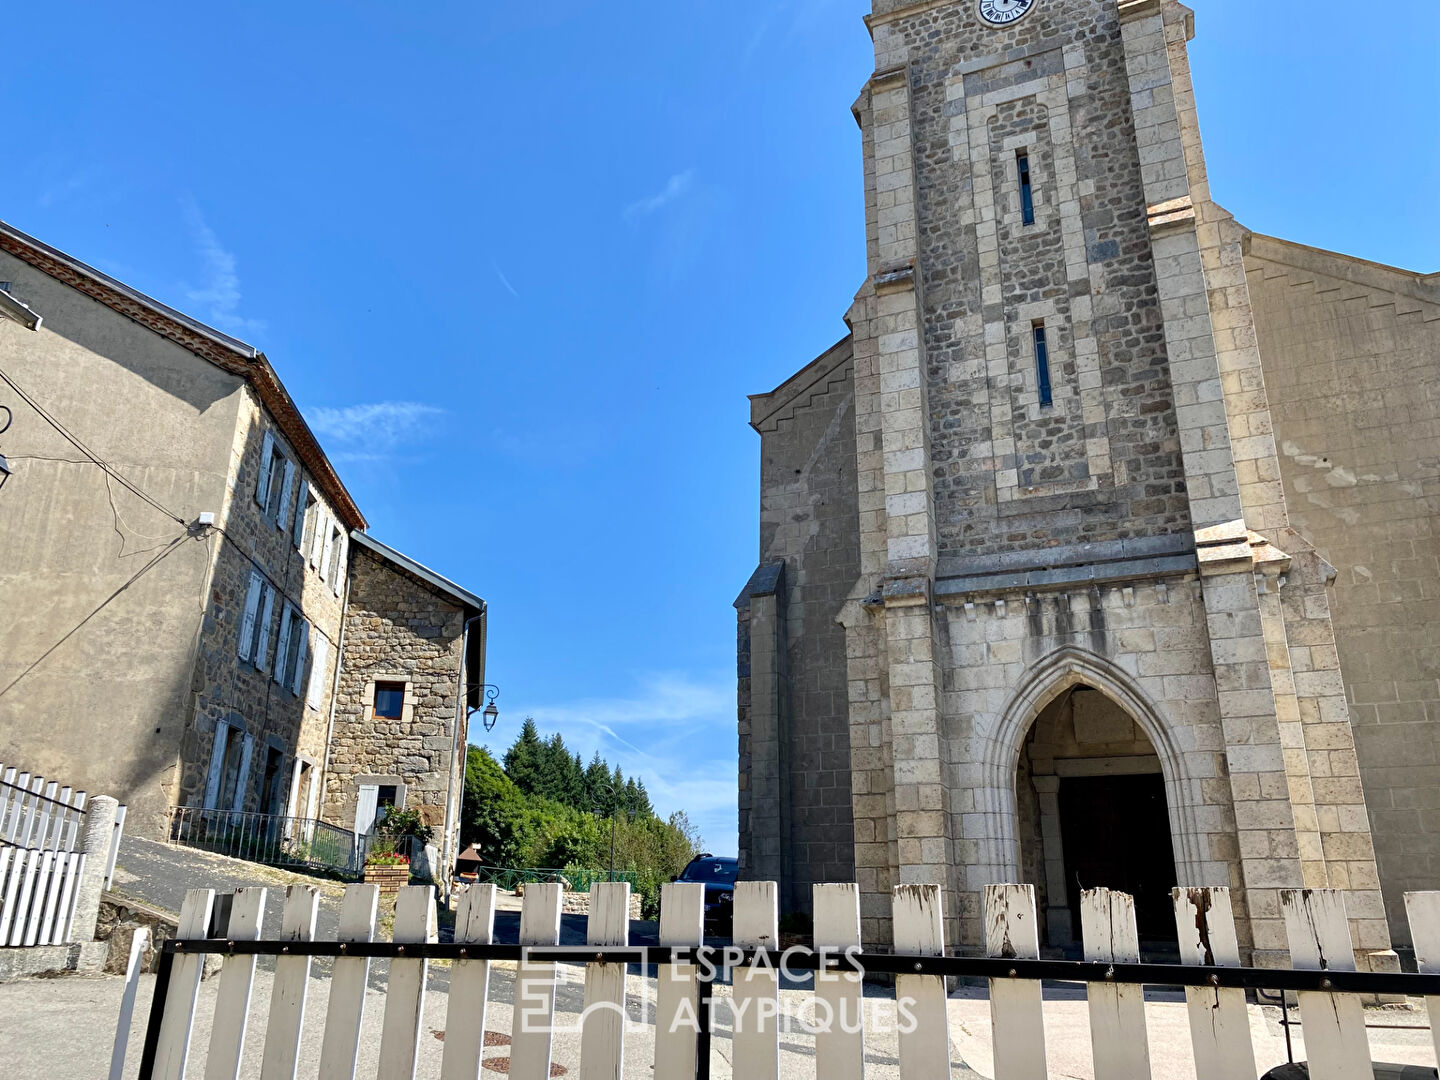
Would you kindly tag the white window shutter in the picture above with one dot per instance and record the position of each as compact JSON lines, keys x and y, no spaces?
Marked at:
{"x":296,"y":680}
{"x":292,"y":805}
{"x":282,"y":647}
{"x":322,"y":528}
{"x":340,"y":549}
{"x":246,"y":749}
{"x":327,"y":552}
{"x":217,"y":765}
{"x":262,"y":641}
{"x":252,"y":609}
{"x":282,"y":519}
{"x":262,"y":482}
{"x":367,"y":801}
{"x":312,"y":803}
{"x":317,"y":671}
{"x":302,"y":513}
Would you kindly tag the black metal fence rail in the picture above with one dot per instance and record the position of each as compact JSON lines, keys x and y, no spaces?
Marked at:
{"x":272,"y":839}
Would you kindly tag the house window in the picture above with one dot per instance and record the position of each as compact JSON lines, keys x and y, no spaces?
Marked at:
{"x":229,"y":768}
{"x":271,"y":787}
{"x":290,"y":652}
{"x":1042,"y":365}
{"x":386,"y":795}
{"x":307,"y":509}
{"x":1027,"y":194}
{"x":389,"y":700}
{"x":254,"y":643}
{"x":335,"y":546}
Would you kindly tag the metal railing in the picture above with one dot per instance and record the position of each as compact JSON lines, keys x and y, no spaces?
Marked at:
{"x":575,"y":880}
{"x":272,"y":839}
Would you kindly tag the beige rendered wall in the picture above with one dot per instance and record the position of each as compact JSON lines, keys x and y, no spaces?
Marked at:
{"x":104,"y":709}
{"x":1351,"y":355}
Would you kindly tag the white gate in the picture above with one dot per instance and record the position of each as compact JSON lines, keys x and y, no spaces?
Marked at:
{"x":1324,"y":978}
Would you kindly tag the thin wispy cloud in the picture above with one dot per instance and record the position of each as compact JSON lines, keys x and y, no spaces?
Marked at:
{"x":674,"y":189}
{"x":218,"y":299}
{"x":373,"y":431}
{"x":675,"y":732}
{"x":503,"y":279}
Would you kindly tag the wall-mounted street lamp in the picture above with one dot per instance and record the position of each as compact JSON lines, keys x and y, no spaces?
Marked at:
{"x":5,"y":465}
{"x":490,"y":714}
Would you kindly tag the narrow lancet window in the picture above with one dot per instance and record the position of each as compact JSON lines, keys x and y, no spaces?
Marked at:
{"x":1027,"y":195}
{"x":1042,"y":365}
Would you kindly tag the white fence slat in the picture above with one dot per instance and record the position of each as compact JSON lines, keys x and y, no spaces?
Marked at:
{"x":237,"y":977}
{"x":920,"y":930}
{"x":469,"y":987}
{"x":1423,"y":911}
{"x":1333,"y":1024}
{"x":346,"y":1010}
{"x":1119,"y":1042}
{"x":115,"y":846}
{"x":7,"y":857}
{"x":59,"y":874}
{"x":32,"y":811}
{"x":70,"y":895}
{"x":405,"y":991}
{"x":535,"y":985}
{"x":756,"y":990}
{"x":20,"y":792}
{"x":37,"y":897}
{"x":677,"y":990}
{"x":839,"y":999}
{"x":138,"y":943}
{"x":1219,"y":1020}
{"x":291,"y":984}
{"x":22,"y":884}
{"x":173,"y":1046}
{"x":45,"y":815}
{"x":1016,"y":1012}
{"x":7,"y":779}
{"x":602,"y":1032}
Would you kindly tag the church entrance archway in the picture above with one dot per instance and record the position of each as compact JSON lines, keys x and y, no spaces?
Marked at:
{"x":1092,"y":811}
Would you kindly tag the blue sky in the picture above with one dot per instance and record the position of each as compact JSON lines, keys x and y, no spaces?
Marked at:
{"x":521,"y":264}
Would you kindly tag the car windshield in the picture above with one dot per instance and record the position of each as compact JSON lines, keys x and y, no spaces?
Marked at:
{"x":715,"y":870}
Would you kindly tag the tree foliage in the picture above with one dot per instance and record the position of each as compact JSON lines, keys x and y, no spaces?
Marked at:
{"x":545,"y":808}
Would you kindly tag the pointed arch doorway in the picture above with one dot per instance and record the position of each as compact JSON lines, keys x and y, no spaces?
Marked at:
{"x":1092,"y":810}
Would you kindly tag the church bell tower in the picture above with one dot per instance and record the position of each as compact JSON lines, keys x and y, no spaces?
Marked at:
{"x":1078,"y":585}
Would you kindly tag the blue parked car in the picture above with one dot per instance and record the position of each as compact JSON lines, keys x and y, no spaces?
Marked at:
{"x":717,"y":873}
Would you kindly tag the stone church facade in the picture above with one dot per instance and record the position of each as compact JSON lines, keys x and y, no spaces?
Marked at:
{"x":1100,"y":551}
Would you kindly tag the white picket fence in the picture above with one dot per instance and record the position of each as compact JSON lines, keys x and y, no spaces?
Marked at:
{"x":41,"y":823}
{"x":1219,"y":1026}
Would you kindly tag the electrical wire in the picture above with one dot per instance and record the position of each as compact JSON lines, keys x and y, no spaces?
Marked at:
{"x":168,"y":549}
{"x":95,"y":458}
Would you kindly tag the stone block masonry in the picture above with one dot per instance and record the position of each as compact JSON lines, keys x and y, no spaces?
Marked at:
{"x":1067,"y":490}
{"x":399,"y":630}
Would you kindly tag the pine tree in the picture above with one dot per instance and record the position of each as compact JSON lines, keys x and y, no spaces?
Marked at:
{"x":524,"y":761}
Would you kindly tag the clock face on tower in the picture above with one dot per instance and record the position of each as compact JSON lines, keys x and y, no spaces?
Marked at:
{"x":1004,"y":12}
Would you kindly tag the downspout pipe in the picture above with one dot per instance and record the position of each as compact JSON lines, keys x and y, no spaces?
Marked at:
{"x":335,"y":683}
{"x":458,"y":752}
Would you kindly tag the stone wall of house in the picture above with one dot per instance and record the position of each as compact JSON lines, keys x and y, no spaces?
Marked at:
{"x":1351,"y":354}
{"x":398,"y":629}
{"x":243,"y":695}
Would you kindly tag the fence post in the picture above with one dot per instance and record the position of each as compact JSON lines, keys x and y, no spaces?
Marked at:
{"x":1219,"y":1021}
{"x":1423,"y":911}
{"x":840,"y":1042}
{"x":602,"y":1036}
{"x":1333,"y":1024}
{"x":95,"y":849}
{"x":677,"y":991}
{"x":1117,"y":1010}
{"x":755,"y":989}
{"x":920,"y":930}
{"x":1017,"y":1015}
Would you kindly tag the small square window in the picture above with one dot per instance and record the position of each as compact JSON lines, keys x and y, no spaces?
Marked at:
{"x":389,"y":700}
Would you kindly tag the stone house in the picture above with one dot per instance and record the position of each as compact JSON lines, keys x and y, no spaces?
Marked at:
{"x":1102,"y":550}
{"x":180,"y":554}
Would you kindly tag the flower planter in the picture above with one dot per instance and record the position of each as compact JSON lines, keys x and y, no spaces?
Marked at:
{"x":390,"y":878}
